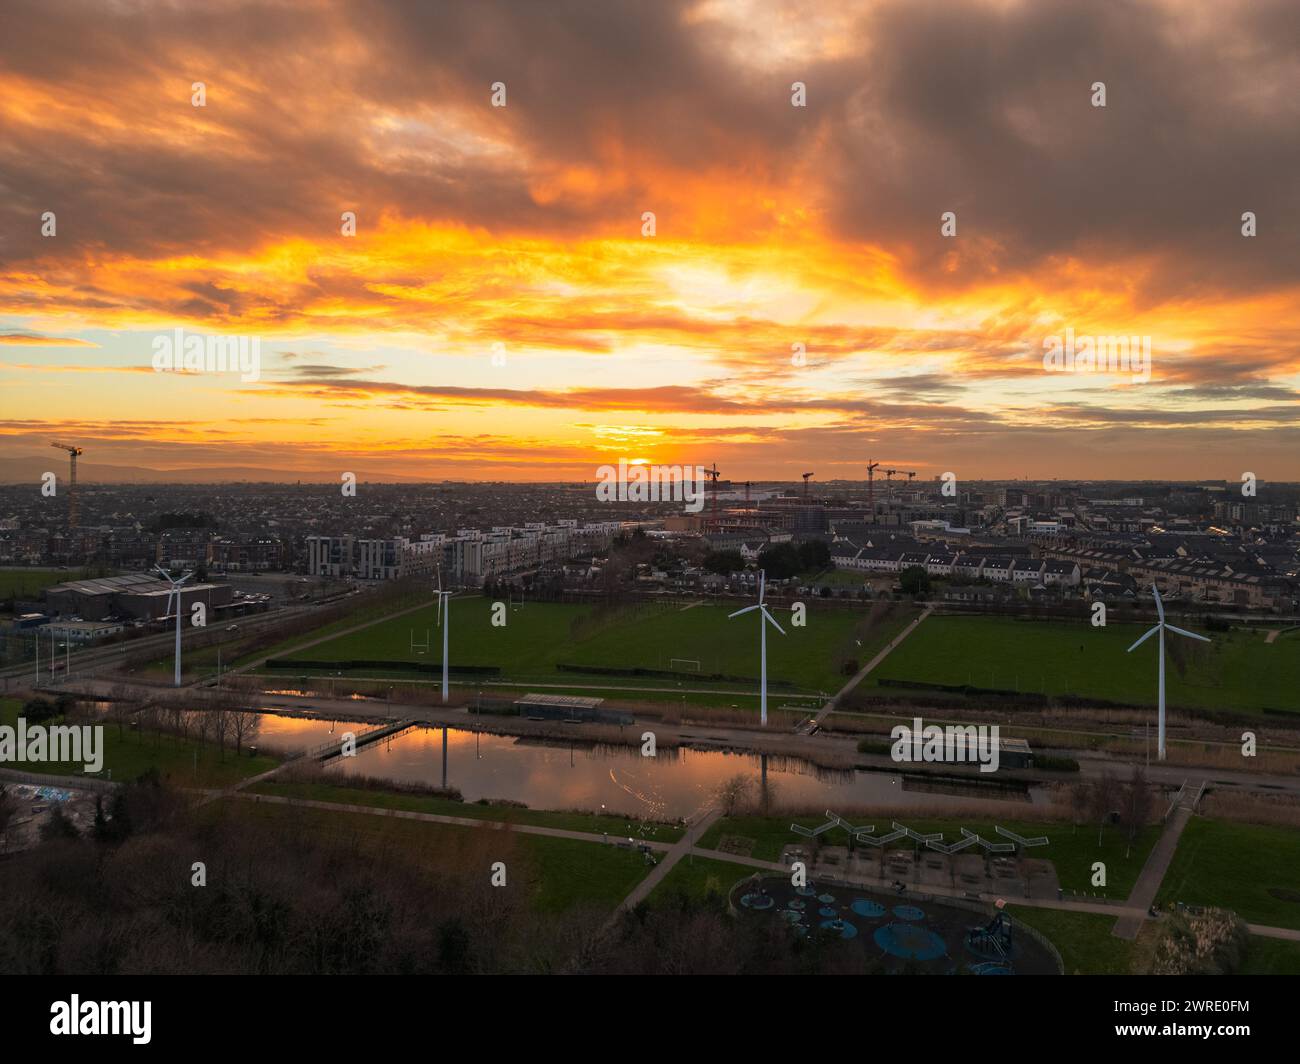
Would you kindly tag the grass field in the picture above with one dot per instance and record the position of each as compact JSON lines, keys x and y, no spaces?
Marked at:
{"x":1072,"y":851}
{"x":697,"y":878}
{"x":128,"y":754}
{"x":1243,"y":867}
{"x":29,"y":583}
{"x":1084,"y":940}
{"x":557,"y":874}
{"x":1236,"y":671}
{"x":540,"y":636}
{"x":1271,"y":956}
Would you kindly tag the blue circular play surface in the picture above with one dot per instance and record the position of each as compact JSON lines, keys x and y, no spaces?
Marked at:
{"x":894,"y":931}
{"x":840,"y":927}
{"x":909,"y":942}
{"x":757,"y":901}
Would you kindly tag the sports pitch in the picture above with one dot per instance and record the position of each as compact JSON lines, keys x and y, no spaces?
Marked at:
{"x":690,"y":641}
{"x":1236,"y":671}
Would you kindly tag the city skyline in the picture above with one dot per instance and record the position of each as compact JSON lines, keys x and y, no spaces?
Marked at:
{"x":502,"y":313}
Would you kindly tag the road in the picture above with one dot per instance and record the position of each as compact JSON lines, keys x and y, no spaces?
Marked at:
{"x":1146,"y":888}
{"x":675,"y":851}
{"x":861,"y":674}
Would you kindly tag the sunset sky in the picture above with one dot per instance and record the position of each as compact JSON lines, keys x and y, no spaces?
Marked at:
{"x":521,"y":226}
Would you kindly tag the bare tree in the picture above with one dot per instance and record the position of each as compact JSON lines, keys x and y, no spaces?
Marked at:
{"x":8,"y":809}
{"x":734,"y":792}
{"x":243,"y":725}
{"x":1137,"y":805}
{"x":1103,"y":799}
{"x":1080,"y":802}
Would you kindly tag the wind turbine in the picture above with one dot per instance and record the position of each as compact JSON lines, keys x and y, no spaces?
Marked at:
{"x":446,"y":628}
{"x":1160,"y":627}
{"x":764,"y":618}
{"x":176,"y":590}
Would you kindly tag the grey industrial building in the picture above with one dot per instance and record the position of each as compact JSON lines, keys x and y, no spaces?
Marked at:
{"x":137,"y":596}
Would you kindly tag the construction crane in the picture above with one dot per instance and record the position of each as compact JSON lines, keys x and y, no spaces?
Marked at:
{"x":871,"y":484}
{"x":73,"y":452}
{"x":889,"y":479}
{"x":806,"y":476}
{"x":909,"y":479}
{"x":713,"y":475}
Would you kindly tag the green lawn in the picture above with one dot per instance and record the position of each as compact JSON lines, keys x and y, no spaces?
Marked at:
{"x":1071,"y":850}
{"x":1271,"y":956}
{"x":617,"y":827}
{"x":1236,"y":671}
{"x":539,"y":636}
{"x":558,"y":874}
{"x":29,"y":583}
{"x":129,"y":754}
{"x":1084,"y":940}
{"x":1236,"y":866}
{"x":568,"y":873}
{"x":698,"y":877}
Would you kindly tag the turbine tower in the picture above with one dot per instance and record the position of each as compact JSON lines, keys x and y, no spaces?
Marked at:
{"x":73,"y":452}
{"x":1160,"y":628}
{"x":764,"y":619}
{"x":176,"y":591}
{"x":444,"y":597}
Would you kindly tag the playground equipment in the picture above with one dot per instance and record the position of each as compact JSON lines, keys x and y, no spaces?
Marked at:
{"x":832,"y":821}
{"x":969,"y":838}
{"x":900,"y":831}
{"x":991,"y":941}
{"x":1020,"y":840}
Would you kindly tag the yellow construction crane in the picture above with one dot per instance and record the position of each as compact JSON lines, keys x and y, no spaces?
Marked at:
{"x":73,"y":452}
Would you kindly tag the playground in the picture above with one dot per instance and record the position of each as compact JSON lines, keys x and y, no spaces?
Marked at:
{"x":903,"y":933}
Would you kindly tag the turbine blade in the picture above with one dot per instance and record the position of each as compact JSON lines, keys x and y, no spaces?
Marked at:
{"x":1190,"y":635}
{"x":762,"y":584}
{"x":1144,"y":639}
{"x":745,"y":610}
{"x":1160,"y":606}
{"x":773,"y":620}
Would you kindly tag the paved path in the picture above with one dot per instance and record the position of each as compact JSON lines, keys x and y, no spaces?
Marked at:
{"x":438,"y":818}
{"x":675,"y":851}
{"x":680,"y":849}
{"x":1146,"y":888}
{"x":861,"y":674}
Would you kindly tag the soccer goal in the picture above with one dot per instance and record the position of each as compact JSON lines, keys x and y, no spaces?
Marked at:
{"x":420,"y":648}
{"x":688,"y":664}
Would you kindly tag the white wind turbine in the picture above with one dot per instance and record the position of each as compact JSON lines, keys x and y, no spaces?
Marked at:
{"x":444,"y":607}
{"x":1160,"y":628}
{"x":176,"y":591}
{"x":764,"y":619}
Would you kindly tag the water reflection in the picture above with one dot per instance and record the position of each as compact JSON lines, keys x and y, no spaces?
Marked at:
{"x":677,"y":783}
